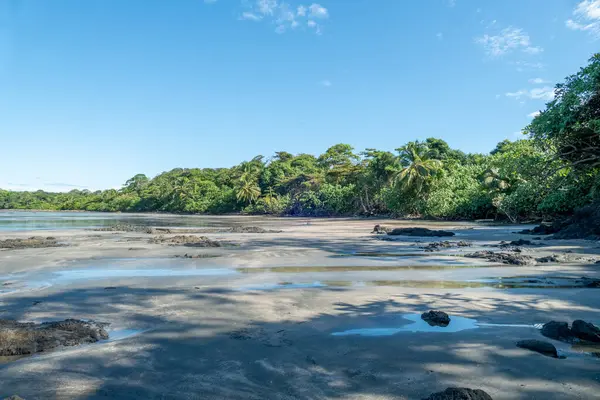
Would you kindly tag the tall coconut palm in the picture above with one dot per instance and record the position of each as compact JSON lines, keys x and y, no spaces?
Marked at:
{"x":248,"y":191}
{"x":417,"y":167}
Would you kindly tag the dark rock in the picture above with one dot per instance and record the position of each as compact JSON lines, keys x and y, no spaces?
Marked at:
{"x":548,"y":259}
{"x":380,"y":229}
{"x":542,"y":229}
{"x":539,"y":346}
{"x":557,"y":331}
{"x":504,"y":258}
{"x":252,"y":229}
{"x":110,"y":288}
{"x":18,"y":338}
{"x":591,"y":283}
{"x":186,"y":240}
{"x":434,"y":246}
{"x":584,"y":224}
{"x":202,"y":255}
{"x":422,"y":232}
{"x":36,"y":302}
{"x":460,"y":394}
{"x":33,"y":242}
{"x":436,"y":318}
{"x":521,"y":242}
{"x":537,"y":238}
{"x":586,"y":331}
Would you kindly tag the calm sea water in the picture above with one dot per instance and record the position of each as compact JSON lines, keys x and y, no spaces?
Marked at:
{"x":42,"y":220}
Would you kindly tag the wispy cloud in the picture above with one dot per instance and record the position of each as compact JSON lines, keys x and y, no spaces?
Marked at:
{"x":250,"y":16}
{"x":285,"y":16}
{"x":545,"y":93}
{"x":537,"y":81}
{"x":508,"y":40}
{"x":533,"y":114}
{"x":439,"y":35}
{"x":326,"y":83}
{"x":451,"y":3}
{"x":318,"y":11}
{"x":527,"y":65}
{"x":586,"y":17}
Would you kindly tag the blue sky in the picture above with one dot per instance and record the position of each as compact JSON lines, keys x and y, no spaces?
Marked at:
{"x":93,"y":92}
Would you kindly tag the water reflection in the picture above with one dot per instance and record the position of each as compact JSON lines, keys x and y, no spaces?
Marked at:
{"x":457,"y":324}
{"x":45,"y":220}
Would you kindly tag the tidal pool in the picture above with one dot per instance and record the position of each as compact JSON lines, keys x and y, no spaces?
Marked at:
{"x":456,"y":324}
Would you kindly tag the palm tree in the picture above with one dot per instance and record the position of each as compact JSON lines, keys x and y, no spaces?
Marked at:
{"x":417,"y":166}
{"x":248,"y":191}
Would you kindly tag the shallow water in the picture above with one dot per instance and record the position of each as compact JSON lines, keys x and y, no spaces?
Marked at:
{"x":71,"y":275}
{"x":45,"y":220}
{"x":456,"y":324}
{"x":120,"y":334}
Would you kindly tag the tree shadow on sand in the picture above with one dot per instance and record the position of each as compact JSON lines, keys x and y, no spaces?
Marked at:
{"x":203,"y":345}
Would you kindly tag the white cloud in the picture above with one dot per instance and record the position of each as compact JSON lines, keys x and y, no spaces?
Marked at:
{"x":284,"y":16}
{"x":586,"y":17}
{"x":451,"y":3}
{"x":534,"y":114}
{"x":526,"y":65}
{"x":325,"y":83}
{"x":537,"y":81}
{"x":507,"y":41}
{"x":250,"y":16}
{"x":317,"y":11}
{"x":210,"y":1}
{"x":267,"y":7}
{"x":533,"y":50}
{"x":545,"y":93}
{"x":439,"y":35}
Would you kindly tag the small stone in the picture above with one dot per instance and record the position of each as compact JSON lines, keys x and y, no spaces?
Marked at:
{"x":586,"y":331}
{"x":422,"y":232}
{"x":539,"y":346}
{"x":436,"y":318}
{"x":520,"y":242}
{"x":460,"y":394}
{"x":557,"y":331}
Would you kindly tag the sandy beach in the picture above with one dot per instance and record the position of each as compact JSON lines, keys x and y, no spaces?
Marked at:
{"x":324,"y":309}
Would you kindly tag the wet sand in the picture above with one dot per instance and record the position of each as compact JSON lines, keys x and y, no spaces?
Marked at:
{"x":263,"y":319}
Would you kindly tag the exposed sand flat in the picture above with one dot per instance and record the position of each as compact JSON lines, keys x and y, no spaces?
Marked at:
{"x":257,"y":320}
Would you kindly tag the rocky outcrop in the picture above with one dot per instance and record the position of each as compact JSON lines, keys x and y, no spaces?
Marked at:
{"x":460,"y":394}
{"x":580,"y":330}
{"x":503,"y":258}
{"x":435,"y":246}
{"x":436,"y":318}
{"x":542,"y":229}
{"x":18,"y":338}
{"x":32,"y":242}
{"x":557,"y":331}
{"x":421,"y":232}
{"x":251,"y":229}
{"x":585,"y":331}
{"x":186,"y":240}
{"x":584,"y":224}
{"x":381,"y":230}
{"x":202,"y":255}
